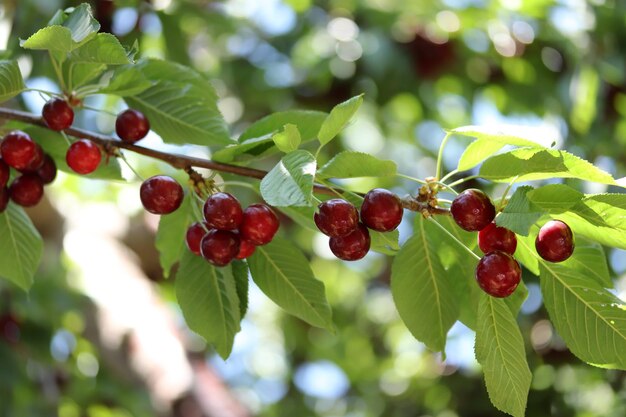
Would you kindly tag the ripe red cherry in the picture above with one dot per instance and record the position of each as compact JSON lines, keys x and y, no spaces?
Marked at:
{"x":131,"y":125}
{"x":259,"y":224}
{"x":222,"y":211}
{"x":58,"y":114}
{"x":555,"y":241}
{"x":83,"y":156}
{"x":219,"y":247}
{"x":493,"y":238}
{"x":36,"y":162}
{"x":352,"y":246}
{"x":4,"y":198}
{"x":498,"y":274}
{"x":26,"y":190}
{"x":336,"y":217}
{"x":5,"y":173}
{"x":48,"y":171}
{"x":246,"y":249}
{"x":473,"y":210}
{"x":20,"y":151}
{"x":161,"y":194}
{"x":381,"y":210}
{"x":194,"y":235}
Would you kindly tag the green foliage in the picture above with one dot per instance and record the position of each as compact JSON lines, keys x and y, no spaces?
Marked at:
{"x":290,"y":182}
{"x":11,"y":80}
{"x":289,"y":139}
{"x":170,"y":236}
{"x":349,"y":164}
{"x":338,"y":118}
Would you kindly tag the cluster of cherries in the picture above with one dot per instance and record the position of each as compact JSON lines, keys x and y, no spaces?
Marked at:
{"x":228,"y":232}
{"x":498,"y":273}
{"x":349,"y":238}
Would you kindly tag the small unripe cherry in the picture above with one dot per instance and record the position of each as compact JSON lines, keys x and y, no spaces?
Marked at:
{"x":493,"y":238}
{"x":336,"y":217}
{"x":498,"y":274}
{"x":219,"y":247}
{"x":381,"y":210}
{"x":26,"y":190}
{"x":131,"y":125}
{"x":246,"y":249}
{"x":259,"y":224}
{"x":83,"y":156}
{"x":161,"y":194}
{"x":58,"y":114}
{"x":555,"y":241}
{"x":222,"y":211}
{"x":472,"y":210}
{"x":352,"y":246}
{"x":194,"y":235}
{"x":19,"y":150}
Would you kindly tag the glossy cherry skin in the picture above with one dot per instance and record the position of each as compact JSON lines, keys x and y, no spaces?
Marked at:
{"x":246,"y":249}
{"x":473,"y":210}
{"x":26,"y":190}
{"x":219,"y":247}
{"x":493,"y":238}
{"x":48,"y":171}
{"x":194,"y":235}
{"x":555,"y":241}
{"x":336,"y":217}
{"x":83,"y":156}
{"x":161,"y":194}
{"x":20,"y":151}
{"x":352,"y":246}
{"x":498,"y":274}
{"x":259,"y":224}
{"x":381,"y":210}
{"x":58,"y":114}
{"x":36,"y":162}
{"x":131,"y":125}
{"x":222,"y":211}
{"x":5,"y":173}
{"x":4,"y":198}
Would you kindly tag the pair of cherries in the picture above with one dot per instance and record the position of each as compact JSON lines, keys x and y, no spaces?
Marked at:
{"x":498,"y":273}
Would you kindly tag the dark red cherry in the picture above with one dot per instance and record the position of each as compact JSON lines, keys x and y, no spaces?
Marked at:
{"x":20,"y":151}
{"x":131,"y":125}
{"x":9,"y":328}
{"x":493,"y":238}
{"x":473,"y":210}
{"x":498,"y":274}
{"x":83,"y":156}
{"x":4,"y":198}
{"x":26,"y":190}
{"x":555,"y":241}
{"x":194,"y":235}
{"x":5,"y":173}
{"x":48,"y":171}
{"x":223,"y":211}
{"x":352,"y":246}
{"x":161,"y":194}
{"x":246,"y":249}
{"x":219,"y":247}
{"x":36,"y":162}
{"x":381,"y":210}
{"x":259,"y":224}
{"x":58,"y":114}
{"x":336,"y":217}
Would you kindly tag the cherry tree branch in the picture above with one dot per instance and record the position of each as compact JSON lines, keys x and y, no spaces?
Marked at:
{"x":186,"y":162}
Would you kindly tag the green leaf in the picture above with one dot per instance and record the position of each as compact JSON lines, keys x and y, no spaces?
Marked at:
{"x":125,"y":81}
{"x":11,"y":81}
{"x":590,"y":319}
{"x":307,"y":121}
{"x":254,"y":148}
{"x":589,"y":259}
{"x":385,"y":243}
{"x":181,"y":111}
{"x":290,"y":182}
{"x":338,"y":118}
{"x":350,"y":164}
{"x":536,"y":164}
{"x":289,"y":139}
{"x":555,"y":197}
{"x":422,"y":290}
{"x":208,"y":300}
{"x":526,"y":253}
{"x":240,"y":274}
{"x":504,"y":135}
{"x":283,"y":273}
{"x":520,"y":213}
{"x":51,"y":38}
{"x":80,"y":74}
{"x":81,"y":23}
{"x":104,"y":48}
{"x":477,"y":152}
{"x":170,"y":236}
{"x":500,"y":350}
{"x":21,"y":247}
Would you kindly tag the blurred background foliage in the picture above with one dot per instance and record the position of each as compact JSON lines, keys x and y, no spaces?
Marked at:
{"x":424,"y":66}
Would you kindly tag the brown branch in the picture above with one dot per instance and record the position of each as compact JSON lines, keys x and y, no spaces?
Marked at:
{"x":185,"y":162}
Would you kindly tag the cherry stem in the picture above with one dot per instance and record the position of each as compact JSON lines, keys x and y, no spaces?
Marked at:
{"x":454,"y":238}
{"x":110,"y":113}
{"x":449,"y":174}
{"x":506,"y":192}
{"x":123,"y":158}
{"x":57,"y":70}
{"x":440,"y":155}
{"x":462,"y":180}
{"x":195,"y":208}
{"x":185,"y":162}
{"x":408,"y":177}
